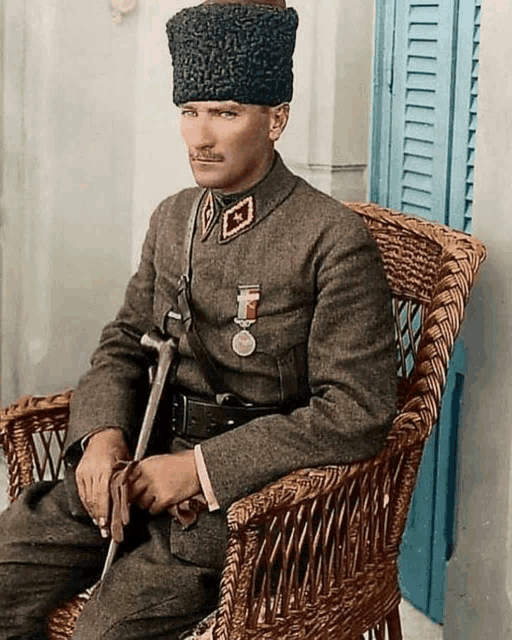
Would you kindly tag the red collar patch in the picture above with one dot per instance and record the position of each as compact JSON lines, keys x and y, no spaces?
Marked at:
{"x":207,"y":216}
{"x":238,"y":218}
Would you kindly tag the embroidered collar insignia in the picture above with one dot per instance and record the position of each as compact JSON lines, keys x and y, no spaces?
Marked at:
{"x":207,"y":216}
{"x":237,"y":219}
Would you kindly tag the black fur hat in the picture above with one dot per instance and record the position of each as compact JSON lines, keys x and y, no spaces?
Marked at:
{"x":233,"y":52}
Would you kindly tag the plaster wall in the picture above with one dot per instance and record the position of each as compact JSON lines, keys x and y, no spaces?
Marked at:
{"x":479,"y":576}
{"x":66,"y":201}
{"x":160,"y":161}
{"x":327,"y":139}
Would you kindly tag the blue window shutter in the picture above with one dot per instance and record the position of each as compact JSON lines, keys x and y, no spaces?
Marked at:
{"x":465,"y":122}
{"x":424,"y":119}
{"x":421,"y":116}
{"x":425,"y":95}
{"x":382,"y":98}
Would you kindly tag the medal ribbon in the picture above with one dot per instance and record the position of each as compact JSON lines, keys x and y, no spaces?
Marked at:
{"x":248,"y":299}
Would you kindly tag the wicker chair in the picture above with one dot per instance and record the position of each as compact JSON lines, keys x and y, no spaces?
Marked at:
{"x":314,"y":555}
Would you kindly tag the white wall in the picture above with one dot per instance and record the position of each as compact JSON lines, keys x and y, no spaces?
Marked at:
{"x":327,"y":139}
{"x":90,"y":145}
{"x":478,"y":604}
{"x":66,"y":200}
{"x":160,"y":162}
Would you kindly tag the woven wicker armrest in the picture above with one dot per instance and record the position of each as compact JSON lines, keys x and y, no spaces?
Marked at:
{"x":38,"y":406}
{"x":302,"y":486}
{"x":32,"y":433}
{"x":383,"y":473}
{"x":314,"y":535}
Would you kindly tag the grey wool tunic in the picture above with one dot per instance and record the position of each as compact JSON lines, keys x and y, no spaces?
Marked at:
{"x":324,"y":339}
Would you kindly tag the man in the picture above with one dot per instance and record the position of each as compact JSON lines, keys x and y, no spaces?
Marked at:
{"x":286,"y":358}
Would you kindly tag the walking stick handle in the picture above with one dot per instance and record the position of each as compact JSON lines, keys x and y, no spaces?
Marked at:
{"x":166,"y":353}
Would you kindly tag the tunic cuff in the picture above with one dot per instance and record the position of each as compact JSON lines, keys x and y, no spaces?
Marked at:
{"x":85,"y":439}
{"x":204,"y":480}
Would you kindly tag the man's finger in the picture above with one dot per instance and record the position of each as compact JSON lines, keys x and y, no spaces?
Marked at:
{"x":146,"y":500}
{"x":155,"y":508}
{"x":101,"y":502}
{"x":137,"y":488}
{"x":82,"y":494}
{"x":134,"y":472}
{"x":89,"y":496}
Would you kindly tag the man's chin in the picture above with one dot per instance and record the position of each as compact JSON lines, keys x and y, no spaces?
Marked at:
{"x":208,"y":179}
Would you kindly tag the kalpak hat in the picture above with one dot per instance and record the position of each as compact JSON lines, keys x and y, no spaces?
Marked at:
{"x":241,"y":52}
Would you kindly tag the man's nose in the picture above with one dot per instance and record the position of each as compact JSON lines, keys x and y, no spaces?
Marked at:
{"x":201,"y":134}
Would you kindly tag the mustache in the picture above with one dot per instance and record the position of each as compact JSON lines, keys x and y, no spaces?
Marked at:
{"x":208,"y":156}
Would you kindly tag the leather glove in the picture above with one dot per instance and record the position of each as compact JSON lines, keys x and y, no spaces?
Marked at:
{"x":120,"y":514}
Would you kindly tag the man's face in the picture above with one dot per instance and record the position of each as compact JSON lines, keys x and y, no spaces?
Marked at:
{"x":230,"y":145}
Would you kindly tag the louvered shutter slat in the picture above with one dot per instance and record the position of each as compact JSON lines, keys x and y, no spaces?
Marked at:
{"x":423,"y":152}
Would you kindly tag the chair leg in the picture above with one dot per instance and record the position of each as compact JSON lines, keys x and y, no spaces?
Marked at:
{"x":394,"y":625}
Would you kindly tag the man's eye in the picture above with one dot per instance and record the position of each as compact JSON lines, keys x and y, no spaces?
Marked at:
{"x":188,"y":113}
{"x":229,"y":115}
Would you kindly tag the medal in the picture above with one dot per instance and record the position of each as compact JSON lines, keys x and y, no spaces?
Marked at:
{"x":244,"y":343}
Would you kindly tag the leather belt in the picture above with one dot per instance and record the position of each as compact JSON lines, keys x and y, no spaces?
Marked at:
{"x":198,"y":418}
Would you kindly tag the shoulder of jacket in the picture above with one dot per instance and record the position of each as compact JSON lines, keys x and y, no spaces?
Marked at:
{"x":182,"y":198}
{"x":322,"y":211}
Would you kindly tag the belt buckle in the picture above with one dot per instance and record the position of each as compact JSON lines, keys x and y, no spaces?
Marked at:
{"x":179,"y":410}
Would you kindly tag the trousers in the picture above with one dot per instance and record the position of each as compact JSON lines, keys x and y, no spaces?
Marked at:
{"x":48,"y":555}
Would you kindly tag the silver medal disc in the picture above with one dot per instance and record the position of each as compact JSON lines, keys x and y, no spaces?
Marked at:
{"x":244,"y":344}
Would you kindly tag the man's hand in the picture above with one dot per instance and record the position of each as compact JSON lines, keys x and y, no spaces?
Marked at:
{"x":103,"y":451}
{"x":158,"y":482}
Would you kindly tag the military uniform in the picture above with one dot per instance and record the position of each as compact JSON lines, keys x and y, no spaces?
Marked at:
{"x":324,"y":352}
{"x":286,"y":290}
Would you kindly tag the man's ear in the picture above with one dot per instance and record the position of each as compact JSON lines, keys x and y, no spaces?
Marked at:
{"x":278,"y":120}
